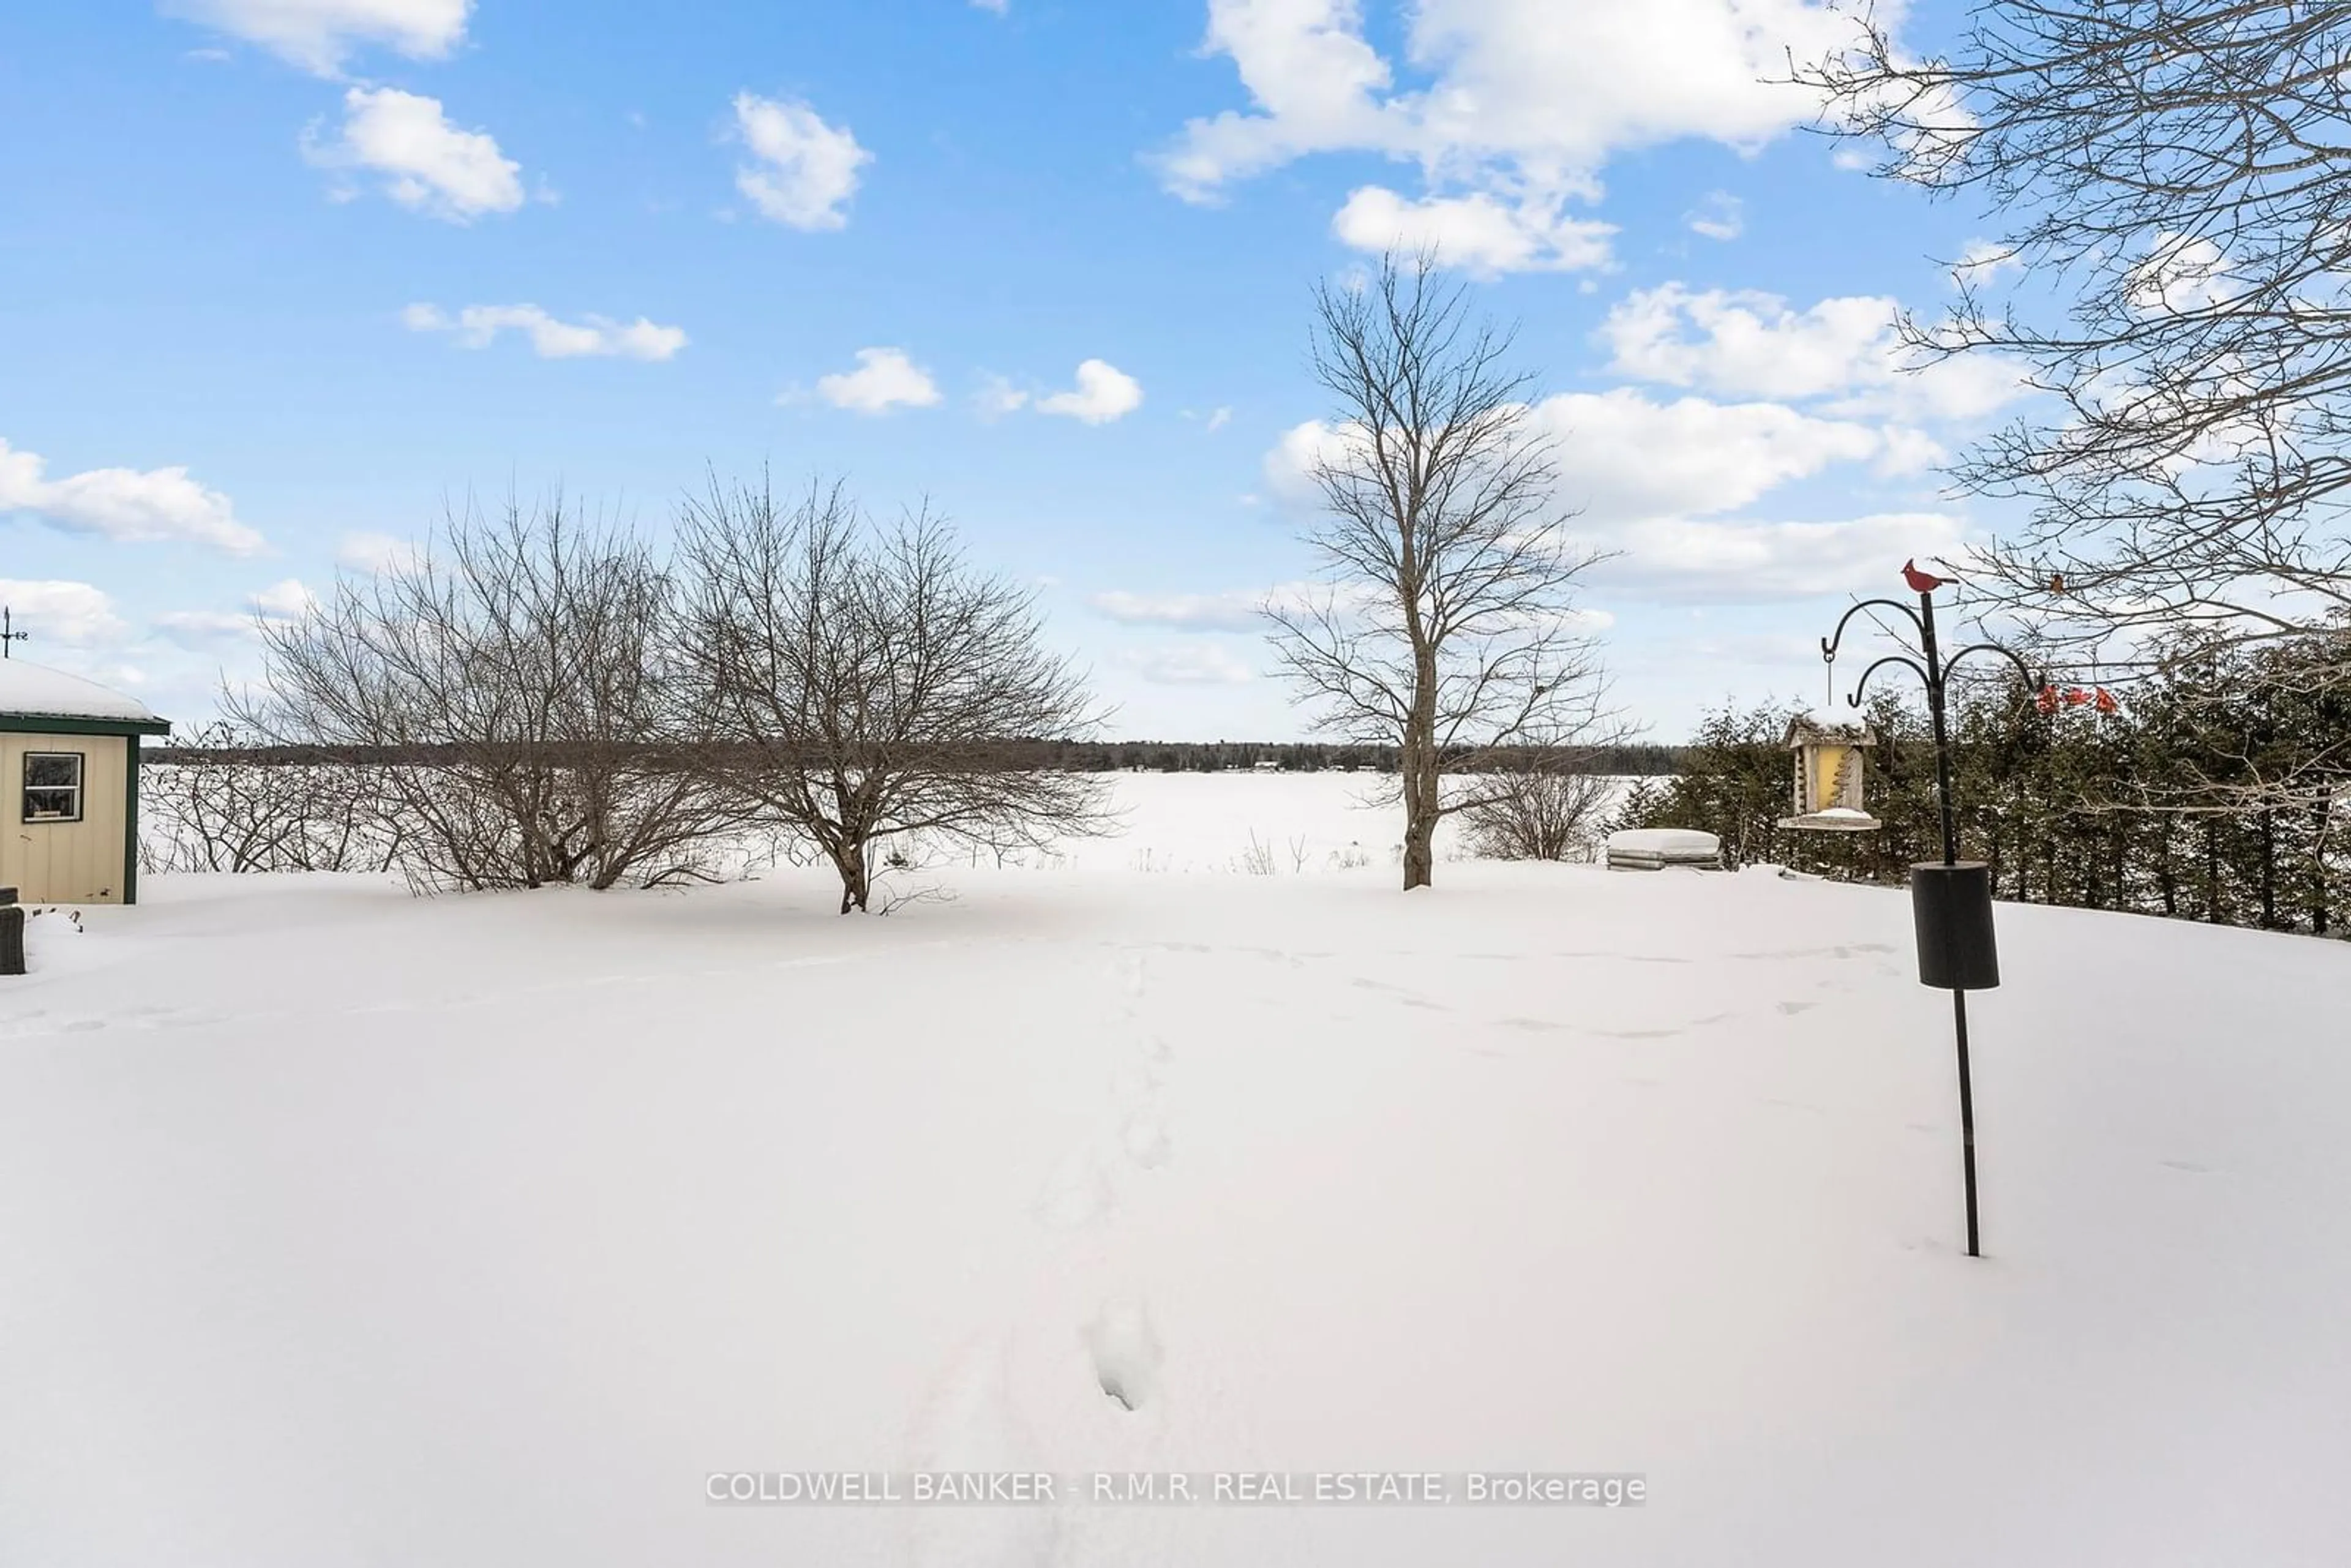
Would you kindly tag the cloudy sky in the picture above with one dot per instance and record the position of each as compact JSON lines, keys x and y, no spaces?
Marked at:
{"x":279,"y":279}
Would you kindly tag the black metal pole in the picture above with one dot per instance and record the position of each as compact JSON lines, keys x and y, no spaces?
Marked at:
{"x":1950,"y":857}
{"x":1942,"y":735}
{"x":1967,"y":1117}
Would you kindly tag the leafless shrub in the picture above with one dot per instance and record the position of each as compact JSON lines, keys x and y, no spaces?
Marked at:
{"x":1537,"y":806}
{"x":1258,"y":859}
{"x":861,"y":682}
{"x":208,"y":804}
{"x":527,"y":666}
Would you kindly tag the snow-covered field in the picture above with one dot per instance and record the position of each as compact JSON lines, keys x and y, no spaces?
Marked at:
{"x":341,"y":1228}
{"x":1271,"y":824}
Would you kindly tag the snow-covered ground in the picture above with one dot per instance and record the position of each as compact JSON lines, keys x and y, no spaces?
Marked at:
{"x":1235,"y":823}
{"x":338,"y":1227}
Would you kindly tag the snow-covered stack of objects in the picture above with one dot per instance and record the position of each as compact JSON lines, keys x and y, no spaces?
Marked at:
{"x":1654,"y":848}
{"x":1828,"y":748}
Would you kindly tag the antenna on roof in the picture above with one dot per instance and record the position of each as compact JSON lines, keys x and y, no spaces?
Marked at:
{"x":8,"y":632}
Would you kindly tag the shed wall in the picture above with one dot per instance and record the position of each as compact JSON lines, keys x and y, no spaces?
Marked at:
{"x":60,"y":862}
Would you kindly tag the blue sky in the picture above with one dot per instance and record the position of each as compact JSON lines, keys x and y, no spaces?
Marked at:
{"x":280,"y":278}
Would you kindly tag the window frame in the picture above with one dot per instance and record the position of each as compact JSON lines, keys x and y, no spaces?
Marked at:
{"x":80,"y":788}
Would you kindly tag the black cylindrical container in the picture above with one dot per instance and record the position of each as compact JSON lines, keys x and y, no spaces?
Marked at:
{"x":1953,"y":907}
{"x":12,"y":934}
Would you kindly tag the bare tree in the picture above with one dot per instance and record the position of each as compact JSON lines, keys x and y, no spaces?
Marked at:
{"x":865,"y":682}
{"x":1445,"y":621}
{"x":1540,"y":804}
{"x":519,"y":682}
{"x":2174,"y":168}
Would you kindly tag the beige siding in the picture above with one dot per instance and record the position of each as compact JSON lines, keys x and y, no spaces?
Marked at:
{"x":65,"y":862}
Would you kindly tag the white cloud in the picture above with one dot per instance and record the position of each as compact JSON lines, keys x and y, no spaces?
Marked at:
{"x":123,"y":503}
{"x":1721,"y":215}
{"x":371,"y":552}
{"x":1188,"y":664}
{"x":1521,"y":101}
{"x":68,"y":614}
{"x":884,"y":378}
{"x":204,"y":628}
{"x":285,"y":600}
{"x":550,"y":339}
{"x":999,"y":397}
{"x":1623,"y":455}
{"x":1739,"y":560}
{"x":427,"y":164}
{"x":1104,"y":393}
{"x":1481,"y":233}
{"x":999,"y":7}
{"x":1747,"y":343}
{"x":1665,"y":483}
{"x":319,"y":35}
{"x":1983,"y":262}
{"x":1218,"y":419}
{"x":2180,"y":273}
{"x":1237,"y":610}
{"x":804,"y":171}
{"x":276,"y":605}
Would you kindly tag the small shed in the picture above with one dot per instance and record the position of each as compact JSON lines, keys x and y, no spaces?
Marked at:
{"x":70,"y":786}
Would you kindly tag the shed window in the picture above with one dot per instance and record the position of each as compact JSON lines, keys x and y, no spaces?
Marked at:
{"x":53,"y":786}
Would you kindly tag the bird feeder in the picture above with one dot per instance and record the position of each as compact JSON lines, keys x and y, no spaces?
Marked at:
{"x":1828,"y":749}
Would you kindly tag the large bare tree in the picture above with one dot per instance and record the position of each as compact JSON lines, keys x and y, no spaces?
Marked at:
{"x":1444,"y":620}
{"x":2169,"y":178}
{"x":863,"y":681}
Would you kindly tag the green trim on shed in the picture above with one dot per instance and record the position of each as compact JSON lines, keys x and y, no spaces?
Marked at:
{"x":129,"y":819}
{"x":52,"y":724}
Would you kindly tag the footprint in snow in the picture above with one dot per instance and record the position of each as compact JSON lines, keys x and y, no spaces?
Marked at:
{"x":1145,"y":1138}
{"x":1125,"y":1352}
{"x":967,"y":1422}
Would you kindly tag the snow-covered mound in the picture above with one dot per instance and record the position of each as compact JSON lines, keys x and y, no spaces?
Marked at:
{"x":341,"y":1228}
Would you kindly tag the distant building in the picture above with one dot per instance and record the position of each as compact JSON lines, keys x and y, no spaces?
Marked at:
{"x":69,"y":786}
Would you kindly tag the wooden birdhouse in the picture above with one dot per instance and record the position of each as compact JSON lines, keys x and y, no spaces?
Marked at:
{"x":1828,"y":748}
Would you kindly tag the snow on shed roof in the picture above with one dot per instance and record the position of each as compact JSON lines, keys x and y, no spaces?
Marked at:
{"x":36,"y":691}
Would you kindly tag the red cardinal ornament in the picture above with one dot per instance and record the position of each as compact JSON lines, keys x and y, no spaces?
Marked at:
{"x":1919,"y":581}
{"x":2106,"y":700}
{"x":2046,"y":699}
{"x":2075,"y":696}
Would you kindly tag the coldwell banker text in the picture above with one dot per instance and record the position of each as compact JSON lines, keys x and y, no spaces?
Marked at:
{"x":967,"y":1488}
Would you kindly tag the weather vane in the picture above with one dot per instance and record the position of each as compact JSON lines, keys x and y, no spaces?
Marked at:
{"x":8,"y":632}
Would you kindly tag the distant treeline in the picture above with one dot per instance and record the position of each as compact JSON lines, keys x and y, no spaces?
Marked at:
{"x":1077,"y":756}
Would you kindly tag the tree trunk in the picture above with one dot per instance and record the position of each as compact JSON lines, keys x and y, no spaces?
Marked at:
{"x":1420,"y":798}
{"x":2320,"y":816}
{"x":1420,"y":765}
{"x":855,"y":880}
{"x":2269,"y":870}
{"x":2212,"y":872}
